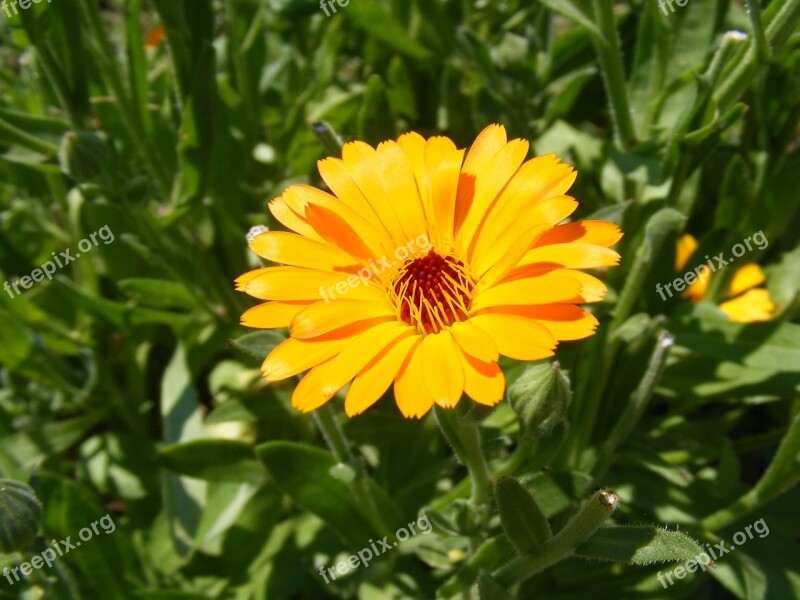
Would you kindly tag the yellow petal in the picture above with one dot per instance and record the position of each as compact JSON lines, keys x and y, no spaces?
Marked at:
{"x":572,"y":255}
{"x":474,"y":341}
{"x":272,"y":314}
{"x":749,"y":276}
{"x":444,"y":191}
{"x":546,"y":212}
{"x":754,"y":305}
{"x":398,"y":179}
{"x":601,"y":233}
{"x":293,"y":249}
{"x":517,"y":337}
{"x":489,"y":182}
{"x":443,"y":373}
{"x":290,"y":219}
{"x":321,"y":318}
{"x":294,"y":283}
{"x":685,"y":247}
{"x":376,"y":377}
{"x":337,"y":178}
{"x":564,"y":321}
{"x":413,"y":145}
{"x":295,"y":356}
{"x":483,"y":382}
{"x":592,"y":289}
{"x":336,"y":223}
{"x":362,"y":163}
{"x":537,"y":180}
{"x":410,"y":392}
{"x":488,"y":143}
{"x":558,"y":286}
{"x":508,"y":252}
{"x":363,"y":348}
{"x":345,"y":366}
{"x":305,"y":397}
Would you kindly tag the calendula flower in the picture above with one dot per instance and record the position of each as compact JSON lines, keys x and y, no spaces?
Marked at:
{"x":747,"y":303}
{"x":421,"y":268}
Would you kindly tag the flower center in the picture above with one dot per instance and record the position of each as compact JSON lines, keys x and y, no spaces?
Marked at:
{"x":432,"y":292}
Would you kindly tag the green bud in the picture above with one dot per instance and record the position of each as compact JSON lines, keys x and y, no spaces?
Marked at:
{"x":83,"y":155}
{"x":20,"y":512}
{"x":523,"y":520}
{"x":540,"y":397}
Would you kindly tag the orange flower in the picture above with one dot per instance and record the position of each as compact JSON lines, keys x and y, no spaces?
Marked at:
{"x":421,"y":268}
{"x":748,"y":303}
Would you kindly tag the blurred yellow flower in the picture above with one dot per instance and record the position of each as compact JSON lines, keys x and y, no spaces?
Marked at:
{"x":747,"y":303}
{"x":447,"y":263}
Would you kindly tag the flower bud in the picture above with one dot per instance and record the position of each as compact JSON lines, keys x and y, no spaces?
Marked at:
{"x":83,"y":155}
{"x":20,"y":512}
{"x":540,"y":397}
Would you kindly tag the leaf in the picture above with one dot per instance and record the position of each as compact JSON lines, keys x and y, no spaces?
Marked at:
{"x":99,"y":561}
{"x":573,"y":11}
{"x":304,"y":474}
{"x":375,"y":119}
{"x":522,"y":519}
{"x":213,"y":460}
{"x":377,"y":22}
{"x":159,"y":293}
{"x":770,"y":345}
{"x":258,"y":344}
{"x":638,"y":545}
{"x":489,"y":589}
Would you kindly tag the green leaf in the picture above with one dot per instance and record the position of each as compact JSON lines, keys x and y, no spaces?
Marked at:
{"x":522,"y":519}
{"x":573,"y":11}
{"x":258,"y":344}
{"x":639,"y":545}
{"x":377,"y":22}
{"x":375,"y":120}
{"x":214,"y":460}
{"x":489,"y":589}
{"x":159,"y":293}
{"x":304,"y":474}
{"x":770,"y":345}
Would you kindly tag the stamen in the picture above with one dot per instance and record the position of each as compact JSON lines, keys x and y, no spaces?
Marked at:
{"x":432,"y":292}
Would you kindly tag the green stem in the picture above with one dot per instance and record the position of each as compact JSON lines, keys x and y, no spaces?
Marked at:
{"x":18,"y":136}
{"x":762,"y":47}
{"x":563,"y":544}
{"x":128,"y":112}
{"x":328,"y":138}
{"x":465,"y":438}
{"x":782,"y":17}
{"x":609,"y":55}
{"x":637,"y":403}
{"x":339,"y":445}
{"x":782,"y":475}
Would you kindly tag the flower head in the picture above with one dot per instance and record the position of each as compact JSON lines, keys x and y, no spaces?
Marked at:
{"x":421,"y":267}
{"x":747,"y":302}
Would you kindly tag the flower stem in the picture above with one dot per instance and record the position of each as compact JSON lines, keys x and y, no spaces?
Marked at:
{"x":563,"y":544}
{"x":339,"y":445}
{"x":610,"y":58}
{"x":465,"y":438}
